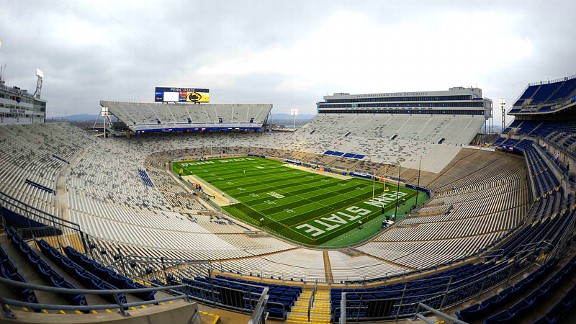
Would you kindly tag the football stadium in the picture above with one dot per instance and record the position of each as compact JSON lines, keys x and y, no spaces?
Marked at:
{"x":292,"y":204}
{"x":384,"y":207}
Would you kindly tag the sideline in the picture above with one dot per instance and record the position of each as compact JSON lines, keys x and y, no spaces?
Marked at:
{"x":219,"y":197}
{"x":325,"y":173}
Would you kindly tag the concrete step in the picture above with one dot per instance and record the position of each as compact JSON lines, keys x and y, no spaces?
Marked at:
{"x":305,"y":313}
{"x":304,"y":310}
{"x":315,"y":309}
{"x":305,"y":317}
{"x":311,"y":322}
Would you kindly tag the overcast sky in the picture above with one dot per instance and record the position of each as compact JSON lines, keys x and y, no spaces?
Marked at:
{"x":288,"y":53}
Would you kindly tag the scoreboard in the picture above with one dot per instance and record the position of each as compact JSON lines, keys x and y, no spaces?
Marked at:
{"x":164,"y":94}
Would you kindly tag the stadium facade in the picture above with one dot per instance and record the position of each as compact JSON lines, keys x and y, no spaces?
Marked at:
{"x":17,"y":106}
{"x":181,"y":117}
{"x":455,"y":101}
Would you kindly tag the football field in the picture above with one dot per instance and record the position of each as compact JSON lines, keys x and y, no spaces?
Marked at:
{"x":310,"y":207}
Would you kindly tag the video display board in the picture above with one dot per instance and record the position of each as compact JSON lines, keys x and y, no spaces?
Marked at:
{"x":164,"y":94}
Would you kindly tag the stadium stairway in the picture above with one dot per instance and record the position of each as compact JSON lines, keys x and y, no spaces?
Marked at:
{"x":319,"y":313}
{"x":328,"y":267}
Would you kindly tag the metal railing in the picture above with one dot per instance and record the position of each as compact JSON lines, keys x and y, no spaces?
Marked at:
{"x":438,"y":313}
{"x":456,"y":292}
{"x":30,"y":215}
{"x":32,"y":221}
{"x":311,"y":301}
{"x":363,"y":306}
{"x":173,"y":290}
{"x":244,"y":300}
{"x":139,"y":266}
{"x":259,"y":314}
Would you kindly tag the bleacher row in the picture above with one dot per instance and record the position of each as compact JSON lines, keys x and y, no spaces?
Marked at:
{"x":87,"y":272}
{"x":428,"y":254}
{"x":488,"y":186}
{"x":9,"y":271}
{"x":182,"y":200}
{"x":152,"y":116}
{"x":475,"y":215}
{"x":544,"y":96}
{"x":346,"y":155}
{"x":83,"y":276}
{"x":542,"y":233}
{"x":540,"y":166}
{"x":480,"y":310}
{"x":415,"y":128}
{"x":530,"y":293}
{"x":413,"y":137}
{"x":560,"y":134}
{"x":463,"y":282}
{"x":490,"y":172}
{"x":113,"y":177}
{"x":400,"y":300}
{"x":28,"y":156}
{"x":243,"y":294}
{"x":380,"y":149}
{"x":197,"y":244}
{"x":548,"y":221}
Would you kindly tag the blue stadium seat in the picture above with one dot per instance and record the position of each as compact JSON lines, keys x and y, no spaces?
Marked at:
{"x":77,"y":272}
{"x":107,"y":274}
{"x":240,"y":293}
{"x":44,"y":269}
{"x":9,"y":271}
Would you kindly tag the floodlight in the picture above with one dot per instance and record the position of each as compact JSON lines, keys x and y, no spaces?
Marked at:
{"x":502,"y":103}
{"x":294,"y":113}
{"x":39,"y":73}
{"x":0,"y":42}
{"x":104,"y":112}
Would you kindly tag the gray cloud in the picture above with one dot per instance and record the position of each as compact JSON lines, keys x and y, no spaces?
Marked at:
{"x":120,"y":50}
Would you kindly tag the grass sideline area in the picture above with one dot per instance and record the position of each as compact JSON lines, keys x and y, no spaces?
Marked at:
{"x":304,"y":206}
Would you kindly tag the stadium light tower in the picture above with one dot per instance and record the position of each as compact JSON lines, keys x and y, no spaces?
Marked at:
{"x":502,"y":104}
{"x":104,"y":113}
{"x":294,"y":113}
{"x":397,"y":191}
{"x":40,"y":76}
{"x":418,"y":184}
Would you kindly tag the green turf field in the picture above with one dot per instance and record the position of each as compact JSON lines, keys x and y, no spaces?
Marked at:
{"x":307,"y":207}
